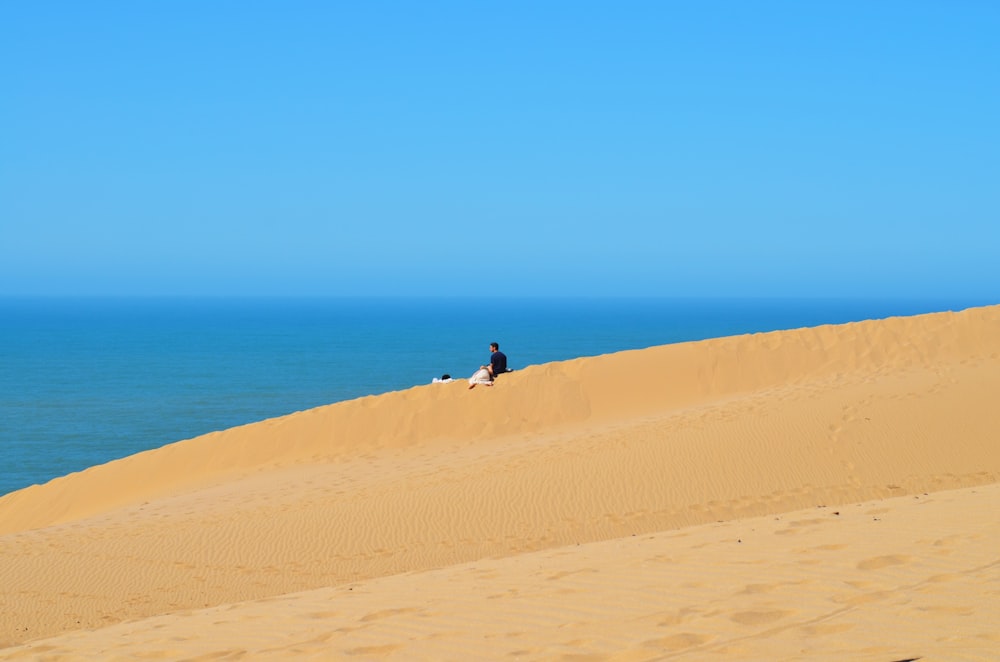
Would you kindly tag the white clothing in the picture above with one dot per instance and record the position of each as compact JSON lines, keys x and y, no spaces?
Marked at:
{"x":482,"y":376}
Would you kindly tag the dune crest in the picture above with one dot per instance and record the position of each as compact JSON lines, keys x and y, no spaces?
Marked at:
{"x":582,"y":391}
{"x":594,"y":449}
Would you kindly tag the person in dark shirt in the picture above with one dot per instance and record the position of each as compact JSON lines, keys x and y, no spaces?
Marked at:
{"x":487,"y":373}
{"x":498,"y":361}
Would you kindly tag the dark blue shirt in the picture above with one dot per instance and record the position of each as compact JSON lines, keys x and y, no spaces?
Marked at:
{"x":498,"y":360}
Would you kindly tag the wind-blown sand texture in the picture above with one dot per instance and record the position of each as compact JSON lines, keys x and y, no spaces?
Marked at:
{"x":824,"y":493}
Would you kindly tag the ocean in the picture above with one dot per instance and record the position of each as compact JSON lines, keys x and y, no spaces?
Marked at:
{"x":85,"y":381}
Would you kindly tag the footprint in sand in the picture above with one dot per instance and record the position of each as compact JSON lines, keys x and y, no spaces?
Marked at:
{"x":827,"y":628}
{"x":760,"y":617}
{"x":676,"y":642}
{"x":373,"y":650}
{"x":884,"y":561}
{"x":378,"y":615}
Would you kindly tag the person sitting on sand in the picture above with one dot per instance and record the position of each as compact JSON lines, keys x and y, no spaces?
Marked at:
{"x":487,"y":373}
{"x":498,"y":361}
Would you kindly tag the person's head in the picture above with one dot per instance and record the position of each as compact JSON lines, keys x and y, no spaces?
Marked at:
{"x":494,"y":347}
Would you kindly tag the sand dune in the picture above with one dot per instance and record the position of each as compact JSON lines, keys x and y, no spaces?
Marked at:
{"x":445,"y":507}
{"x":904,"y":578}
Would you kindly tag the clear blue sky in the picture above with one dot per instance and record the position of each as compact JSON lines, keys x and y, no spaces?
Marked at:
{"x":452,"y":148}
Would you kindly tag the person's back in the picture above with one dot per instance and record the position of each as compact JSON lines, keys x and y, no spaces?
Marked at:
{"x":487,"y":373}
{"x":498,"y":360}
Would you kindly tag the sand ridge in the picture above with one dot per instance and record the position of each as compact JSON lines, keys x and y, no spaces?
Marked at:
{"x":591,"y":390}
{"x":819,"y":584}
{"x":638,"y":443}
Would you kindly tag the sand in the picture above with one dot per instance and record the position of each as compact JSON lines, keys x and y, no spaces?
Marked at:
{"x":823,"y":493}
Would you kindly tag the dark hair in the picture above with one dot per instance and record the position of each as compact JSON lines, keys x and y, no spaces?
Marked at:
{"x":495,"y":346}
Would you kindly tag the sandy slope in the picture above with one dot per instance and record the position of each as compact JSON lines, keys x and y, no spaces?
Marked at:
{"x":412,"y":491}
{"x":907,"y":577}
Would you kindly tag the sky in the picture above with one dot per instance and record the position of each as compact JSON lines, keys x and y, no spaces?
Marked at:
{"x":817,"y":149}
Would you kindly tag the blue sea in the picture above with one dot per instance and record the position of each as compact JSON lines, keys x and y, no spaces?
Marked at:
{"x":85,"y":381}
